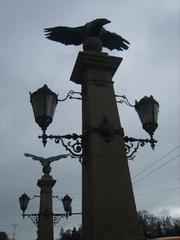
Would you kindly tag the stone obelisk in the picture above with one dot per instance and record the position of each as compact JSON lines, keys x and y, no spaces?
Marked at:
{"x":108,"y":204}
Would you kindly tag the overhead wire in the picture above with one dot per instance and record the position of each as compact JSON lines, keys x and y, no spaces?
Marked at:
{"x":159,"y":191}
{"x":155,"y":162}
{"x":162,"y":165}
{"x":157,"y":183}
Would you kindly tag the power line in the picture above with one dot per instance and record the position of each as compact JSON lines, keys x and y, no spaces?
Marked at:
{"x":162,"y":165}
{"x":157,"y":183}
{"x":17,"y":189}
{"x":163,"y":190}
{"x":158,"y":160}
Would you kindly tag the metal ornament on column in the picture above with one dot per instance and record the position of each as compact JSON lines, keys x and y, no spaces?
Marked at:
{"x":44,"y":103}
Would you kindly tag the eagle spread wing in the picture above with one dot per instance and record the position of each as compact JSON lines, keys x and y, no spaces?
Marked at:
{"x":65,"y":35}
{"x":113,"y":41}
{"x":55,"y":158}
{"x":34,"y":157}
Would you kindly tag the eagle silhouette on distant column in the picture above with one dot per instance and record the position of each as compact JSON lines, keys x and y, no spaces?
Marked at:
{"x":45,"y":162}
{"x":78,"y":35}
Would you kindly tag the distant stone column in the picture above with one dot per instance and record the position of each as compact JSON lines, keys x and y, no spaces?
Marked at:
{"x":45,"y":224}
{"x":108,"y":204}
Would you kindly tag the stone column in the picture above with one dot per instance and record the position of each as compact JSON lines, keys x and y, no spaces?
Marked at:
{"x":45,"y":224}
{"x":108,"y":204}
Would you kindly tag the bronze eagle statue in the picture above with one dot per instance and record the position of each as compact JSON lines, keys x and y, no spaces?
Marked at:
{"x":78,"y":35}
{"x":46,"y":161}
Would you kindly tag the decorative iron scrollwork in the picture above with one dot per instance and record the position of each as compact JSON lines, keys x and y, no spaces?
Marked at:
{"x":70,"y":96}
{"x":58,"y":217}
{"x":139,"y":142}
{"x":73,"y":142}
{"x":34,"y":218}
{"x":75,"y":148}
{"x":123,"y":99}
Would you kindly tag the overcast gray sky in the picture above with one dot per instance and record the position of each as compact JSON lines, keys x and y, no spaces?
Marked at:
{"x":28,"y":60}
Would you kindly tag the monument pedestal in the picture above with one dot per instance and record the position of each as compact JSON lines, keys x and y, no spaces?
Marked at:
{"x":108,"y":204}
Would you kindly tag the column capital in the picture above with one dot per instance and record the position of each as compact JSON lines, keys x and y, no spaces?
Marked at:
{"x":93,"y":60}
{"x":46,"y":182}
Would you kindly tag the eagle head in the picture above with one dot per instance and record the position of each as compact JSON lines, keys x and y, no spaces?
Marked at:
{"x":101,"y":21}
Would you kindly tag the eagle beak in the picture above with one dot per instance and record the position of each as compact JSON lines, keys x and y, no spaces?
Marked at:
{"x":108,"y":21}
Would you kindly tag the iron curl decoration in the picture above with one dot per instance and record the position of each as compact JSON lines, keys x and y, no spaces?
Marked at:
{"x":34,"y":218}
{"x":123,"y":100}
{"x":74,"y":148}
{"x":132,"y":155}
{"x":70,"y":96}
{"x":128,"y":149}
{"x":139,"y":142}
{"x":58,"y":217}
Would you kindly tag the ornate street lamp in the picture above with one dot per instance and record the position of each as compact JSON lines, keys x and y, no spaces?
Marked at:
{"x":23,"y":201}
{"x":44,"y":103}
{"x":67,"y":204}
{"x":148,"y":109}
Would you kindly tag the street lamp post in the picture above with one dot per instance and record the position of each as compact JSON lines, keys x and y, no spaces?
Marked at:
{"x":108,"y":205}
{"x":45,"y":223}
{"x":45,"y":219}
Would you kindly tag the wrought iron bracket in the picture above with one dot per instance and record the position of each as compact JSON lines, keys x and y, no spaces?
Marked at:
{"x":107,"y":131}
{"x":35,"y":196}
{"x":34,"y":218}
{"x":139,"y":142}
{"x":71,"y":142}
{"x":70,"y":96}
{"x":74,"y":143}
{"x":57,"y":217}
{"x":123,"y":99}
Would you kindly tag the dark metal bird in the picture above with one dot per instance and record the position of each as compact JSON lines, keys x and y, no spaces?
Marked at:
{"x":78,"y":35}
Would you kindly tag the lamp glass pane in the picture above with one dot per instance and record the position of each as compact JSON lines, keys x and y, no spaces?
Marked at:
{"x":51,"y":102}
{"x":38,"y":105}
{"x":156,"y":111}
{"x":67,"y":204}
{"x":44,"y":102}
{"x":145,"y":112}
